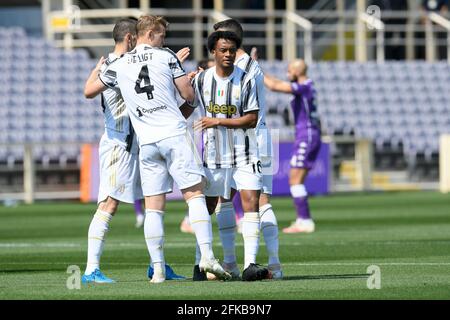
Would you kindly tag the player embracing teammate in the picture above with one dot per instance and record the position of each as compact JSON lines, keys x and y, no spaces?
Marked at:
{"x":231,"y":99}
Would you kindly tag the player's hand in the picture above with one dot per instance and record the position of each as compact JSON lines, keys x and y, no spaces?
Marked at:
{"x":99,"y":63}
{"x":191,"y":75}
{"x":254,"y":53}
{"x":205,"y":123}
{"x":182,"y":54}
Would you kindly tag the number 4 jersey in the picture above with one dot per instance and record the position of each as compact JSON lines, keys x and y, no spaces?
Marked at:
{"x":146,"y":77}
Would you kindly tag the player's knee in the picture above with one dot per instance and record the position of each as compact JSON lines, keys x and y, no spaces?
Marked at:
{"x":250,"y":201}
{"x":109,"y":205}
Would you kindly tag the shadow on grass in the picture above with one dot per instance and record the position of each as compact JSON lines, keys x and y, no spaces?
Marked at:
{"x":31,"y":270}
{"x":328,"y":276}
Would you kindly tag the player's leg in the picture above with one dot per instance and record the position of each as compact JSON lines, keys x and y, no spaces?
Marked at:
{"x":98,"y":228}
{"x":185,"y":225}
{"x":186,"y":169}
{"x":139,"y":213}
{"x":226,"y":222}
{"x":201,"y":223}
{"x":211,"y":203}
{"x":156,"y":182}
{"x":269,"y":225}
{"x":304,"y":222}
{"x":237,"y":204}
{"x":118,"y":171}
{"x":154,"y":234}
{"x":269,"y":229}
{"x":306,"y":151}
{"x":248,"y":180}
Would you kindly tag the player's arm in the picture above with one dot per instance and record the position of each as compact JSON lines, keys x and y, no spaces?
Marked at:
{"x":185,"y":88}
{"x":249,"y":120}
{"x":277,"y":85}
{"x":250,"y":107}
{"x":94,"y":85}
{"x":181,"y":81}
{"x":186,"y":109}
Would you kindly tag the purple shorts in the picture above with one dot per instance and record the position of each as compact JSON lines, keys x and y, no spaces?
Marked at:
{"x":306,"y":148}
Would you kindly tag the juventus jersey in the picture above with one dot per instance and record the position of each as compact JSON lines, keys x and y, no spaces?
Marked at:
{"x":253,"y":70}
{"x":229,"y":97}
{"x":117,"y":123}
{"x":146,"y":77}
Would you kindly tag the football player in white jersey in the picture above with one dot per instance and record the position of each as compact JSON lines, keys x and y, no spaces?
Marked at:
{"x":269,"y":225}
{"x":230,"y":155}
{"x":118,"y":154}
{"x":148,"y":77}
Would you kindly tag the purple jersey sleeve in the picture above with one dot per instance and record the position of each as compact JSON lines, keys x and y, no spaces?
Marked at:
{"x":299,"y":89}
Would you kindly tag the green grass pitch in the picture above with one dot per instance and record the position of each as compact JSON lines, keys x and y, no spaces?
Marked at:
{"x":407,"y":235}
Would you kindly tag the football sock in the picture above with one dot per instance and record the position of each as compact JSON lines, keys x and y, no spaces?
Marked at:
{"x":269,"y":229}
{"x":226,"y":222}
{"x":300,"y":196}
{"x":201,"y":224}
{"x":238,"y":205}
{"x":96,"y":236}
{"x":198,"y":254}
{"x":250,"y":232}
{"x":138,"y":207}
{"x":154,"y":234}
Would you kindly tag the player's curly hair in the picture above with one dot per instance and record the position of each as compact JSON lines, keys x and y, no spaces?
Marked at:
{"x":150,"y":22}
{"x":227,"y":35}
{"x":230,"y":25}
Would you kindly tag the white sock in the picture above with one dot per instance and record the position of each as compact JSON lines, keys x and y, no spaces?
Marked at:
{"x":250,"y":232}
{"x":304,"y":221}
{"x":96,"y":236}
{"x":226,"y":222}
{"x":198,"y":255}
{"x":201,"y":224}
{"x":269,"y":229}
{"x":154,"y":234}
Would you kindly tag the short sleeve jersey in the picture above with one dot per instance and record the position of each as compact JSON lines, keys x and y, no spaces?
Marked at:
{"x":253,"y":70}
{"x":117,"y":123}
{"x":146,"y":77}
{"x":227,"y":98}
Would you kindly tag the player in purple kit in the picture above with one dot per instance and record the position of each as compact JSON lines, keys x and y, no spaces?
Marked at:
{"x":307,"y":138}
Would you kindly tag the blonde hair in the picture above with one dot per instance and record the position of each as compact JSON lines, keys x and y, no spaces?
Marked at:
{"x":150,"y":22}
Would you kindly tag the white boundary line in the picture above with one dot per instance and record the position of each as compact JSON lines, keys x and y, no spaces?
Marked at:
{"x":184,"y":244}
{"x":283,"y":264}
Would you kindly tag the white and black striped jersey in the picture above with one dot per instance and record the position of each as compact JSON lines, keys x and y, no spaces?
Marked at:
{"x":118,"y":127}
{"x":146,"y":77}
{"x":229,"y":97}
{"x":253,"y":70}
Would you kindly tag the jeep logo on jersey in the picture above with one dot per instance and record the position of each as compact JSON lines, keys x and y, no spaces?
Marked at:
{"x":141,"y":111}
{"x":224,"y":109}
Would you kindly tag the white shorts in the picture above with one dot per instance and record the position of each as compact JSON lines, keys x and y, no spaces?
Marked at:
{"x":218,"y":183}
{"x":162,"y":162}
{"x":267,"y":179}
{"x":248,"y":177}
{"x":119,"y":173}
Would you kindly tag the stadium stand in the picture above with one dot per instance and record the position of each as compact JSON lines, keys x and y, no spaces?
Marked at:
{"x":402,"y":106}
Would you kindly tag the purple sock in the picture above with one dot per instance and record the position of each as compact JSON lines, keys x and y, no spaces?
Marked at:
{"x":138,"y":207}
{"x":238,"y":205}
{"x":302,"y":206}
